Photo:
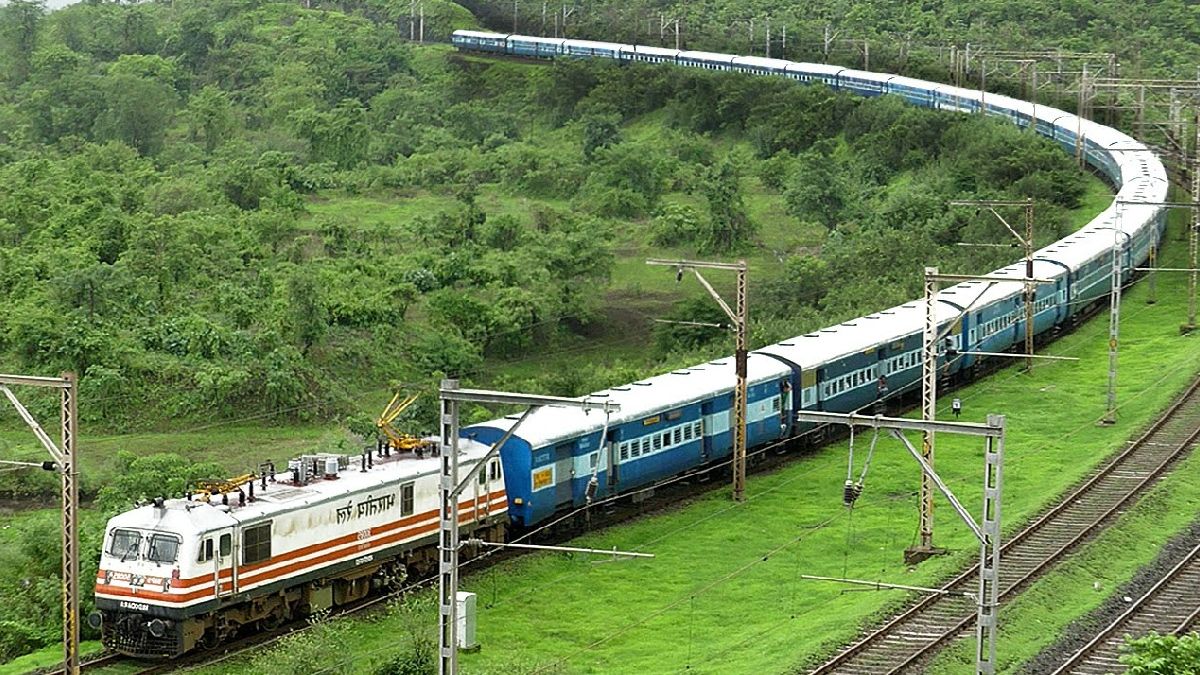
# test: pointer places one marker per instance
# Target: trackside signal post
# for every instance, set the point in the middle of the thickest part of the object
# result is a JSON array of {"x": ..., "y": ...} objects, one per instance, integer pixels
[
  {"x": 63, "y": 456},
  {"x": 451, "y": 487},
  {"x": 738, "y": 316},
  {"x": 987, "y": 530}
]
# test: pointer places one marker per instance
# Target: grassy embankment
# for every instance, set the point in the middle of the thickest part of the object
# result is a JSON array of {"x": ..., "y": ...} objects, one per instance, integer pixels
[{"x": 723, "y": 595}]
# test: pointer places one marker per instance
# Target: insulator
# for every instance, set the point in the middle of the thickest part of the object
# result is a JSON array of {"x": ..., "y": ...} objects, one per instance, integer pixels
[
  {"x": 850, "y": 492},
  {"x": 592, "y": 486}
]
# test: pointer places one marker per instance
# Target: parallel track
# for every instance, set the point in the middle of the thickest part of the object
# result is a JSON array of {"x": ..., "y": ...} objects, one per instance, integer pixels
[
  {"x": 919, "y": 631},
  {"x": 1172, "y": 605}
]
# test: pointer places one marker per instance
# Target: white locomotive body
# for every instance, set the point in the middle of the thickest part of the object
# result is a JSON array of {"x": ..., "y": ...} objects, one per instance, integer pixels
[{"x": 185, "y": 572}]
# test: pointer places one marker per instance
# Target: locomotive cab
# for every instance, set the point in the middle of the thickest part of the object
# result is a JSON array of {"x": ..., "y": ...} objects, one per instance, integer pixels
[{"x": 156, "y": 571}]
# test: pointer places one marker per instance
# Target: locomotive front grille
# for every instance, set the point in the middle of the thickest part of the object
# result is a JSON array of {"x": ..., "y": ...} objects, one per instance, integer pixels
[{"x": 134, "y": 634}]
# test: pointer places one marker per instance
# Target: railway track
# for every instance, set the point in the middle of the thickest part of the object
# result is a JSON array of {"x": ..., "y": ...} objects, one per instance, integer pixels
[
  {"x": 1172, "y": 605},
  {"x": 918, "y": 632}
]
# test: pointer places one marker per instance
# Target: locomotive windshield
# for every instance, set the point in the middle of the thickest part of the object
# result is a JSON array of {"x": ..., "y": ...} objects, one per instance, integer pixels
[
  {"x": 125, "y": 544},
  {"x": 163, "y": 548}
]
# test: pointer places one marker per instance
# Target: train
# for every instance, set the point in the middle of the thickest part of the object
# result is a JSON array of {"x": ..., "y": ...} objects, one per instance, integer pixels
[
  {"x": 178, "y": 574},
  {"x": 181, "y": 573}
]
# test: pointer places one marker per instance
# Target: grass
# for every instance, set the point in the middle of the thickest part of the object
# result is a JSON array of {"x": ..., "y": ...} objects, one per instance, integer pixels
[{"x": 724, "y": 593}]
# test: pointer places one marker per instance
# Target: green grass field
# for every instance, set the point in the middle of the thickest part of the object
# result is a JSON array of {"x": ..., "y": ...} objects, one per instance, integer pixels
[{"x": 724, "y": 593}]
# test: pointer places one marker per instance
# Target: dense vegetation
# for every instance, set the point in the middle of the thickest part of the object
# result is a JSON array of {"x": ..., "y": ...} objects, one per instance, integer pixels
[{"x": 160, "y": 175}]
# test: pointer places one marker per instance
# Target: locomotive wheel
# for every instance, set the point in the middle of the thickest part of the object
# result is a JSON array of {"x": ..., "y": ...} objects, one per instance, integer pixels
[
  {"x": 212, "y": 639},
  {"x": 272, "y": 621}
]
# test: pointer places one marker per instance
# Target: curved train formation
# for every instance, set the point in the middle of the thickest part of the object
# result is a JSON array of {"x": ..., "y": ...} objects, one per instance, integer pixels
[{"x": 185, "y": 573}]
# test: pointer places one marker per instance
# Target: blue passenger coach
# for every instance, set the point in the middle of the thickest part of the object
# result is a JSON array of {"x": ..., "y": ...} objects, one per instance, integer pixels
[
  {"x": 680, "y": 421},
  {"x": 666, "y": 425}
]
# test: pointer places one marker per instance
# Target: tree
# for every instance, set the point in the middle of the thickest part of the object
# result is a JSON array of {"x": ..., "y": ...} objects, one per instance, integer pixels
[
  {"x": 210, "y": 117},
  {"x": 600, "y": 131},
  {"x": 1157, "y": 654},
  {"x": 138, "y": 112},
  {"x": 728, "y": 224},
  {"x": 306, "y": 309},
  {"x": 20, "y": 21},
  {"x": 816, "y": 191},
  {"x": 340, "y": 135}
]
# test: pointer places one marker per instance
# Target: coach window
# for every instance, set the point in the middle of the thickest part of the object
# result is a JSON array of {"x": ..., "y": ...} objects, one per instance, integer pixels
[
  {"x": 256, "y": 543},
  {"x": 406, "y": 499},
  {"x": 624, "y": 451},
  {"x": 206, "y": 551},
  {"x": 678, "y": 435}
]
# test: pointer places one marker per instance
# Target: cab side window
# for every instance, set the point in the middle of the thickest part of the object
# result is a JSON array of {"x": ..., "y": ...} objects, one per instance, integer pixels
[{"x": 206, "y": 550}]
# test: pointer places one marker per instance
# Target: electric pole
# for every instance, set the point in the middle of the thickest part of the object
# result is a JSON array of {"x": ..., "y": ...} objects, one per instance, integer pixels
[
  {"x": 930, "y": 339},
  {"x": 63, "y": 456},
  {"x": 986, "y": 530},
  {"x": 739, "y": 318},
  {"x": 1114, "y": 318},
  {"x": 1027, "y": 243},
  {"x": 451, "y": 487}
]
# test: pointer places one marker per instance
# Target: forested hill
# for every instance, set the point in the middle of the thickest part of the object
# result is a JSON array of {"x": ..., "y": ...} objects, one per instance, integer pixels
[
  {"x": 217, "y": 210},
  {"x": 1151, "y": 38}
]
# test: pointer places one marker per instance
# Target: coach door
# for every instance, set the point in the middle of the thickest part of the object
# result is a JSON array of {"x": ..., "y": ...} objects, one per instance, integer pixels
[
  {"x": 224, "y": 562},
  {"x": 706, "y": 411},
  {"x": 564, "y": 474},
  {"x": 481, "y": 493}
]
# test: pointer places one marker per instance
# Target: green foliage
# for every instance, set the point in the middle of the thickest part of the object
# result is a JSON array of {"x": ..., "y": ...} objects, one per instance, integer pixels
[
  {"x": 138, "y": 479},
  {"x": 675, "y": 224},
  {"x": 728, "y": 225},
  {"x": 296, "y": 654},
  {"x": 137, "y": 113},
  {"x": 419, "y": 651},
  {"x": 1156, "y": 654},
  {"x": 671, "y": 337},
  {"x": 599, "y": 131}
]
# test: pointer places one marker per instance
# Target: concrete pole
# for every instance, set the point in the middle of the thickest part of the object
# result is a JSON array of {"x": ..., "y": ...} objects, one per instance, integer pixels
[
  {"x": 1114, "y": 321},
  {"x": 448, "y": 544}
]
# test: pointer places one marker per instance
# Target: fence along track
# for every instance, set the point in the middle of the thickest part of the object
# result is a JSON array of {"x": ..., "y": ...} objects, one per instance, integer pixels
[
  {"x": 1170, "y": 606},
  {"x": 931, "y": 622}
]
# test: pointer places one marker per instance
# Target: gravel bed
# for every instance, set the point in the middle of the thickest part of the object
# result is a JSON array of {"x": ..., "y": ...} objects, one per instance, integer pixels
[{"x": 1080, "y": 631}]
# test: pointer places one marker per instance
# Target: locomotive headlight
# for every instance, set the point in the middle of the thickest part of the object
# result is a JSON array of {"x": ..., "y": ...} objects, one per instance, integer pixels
[{"x": 158, "y": 627}]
